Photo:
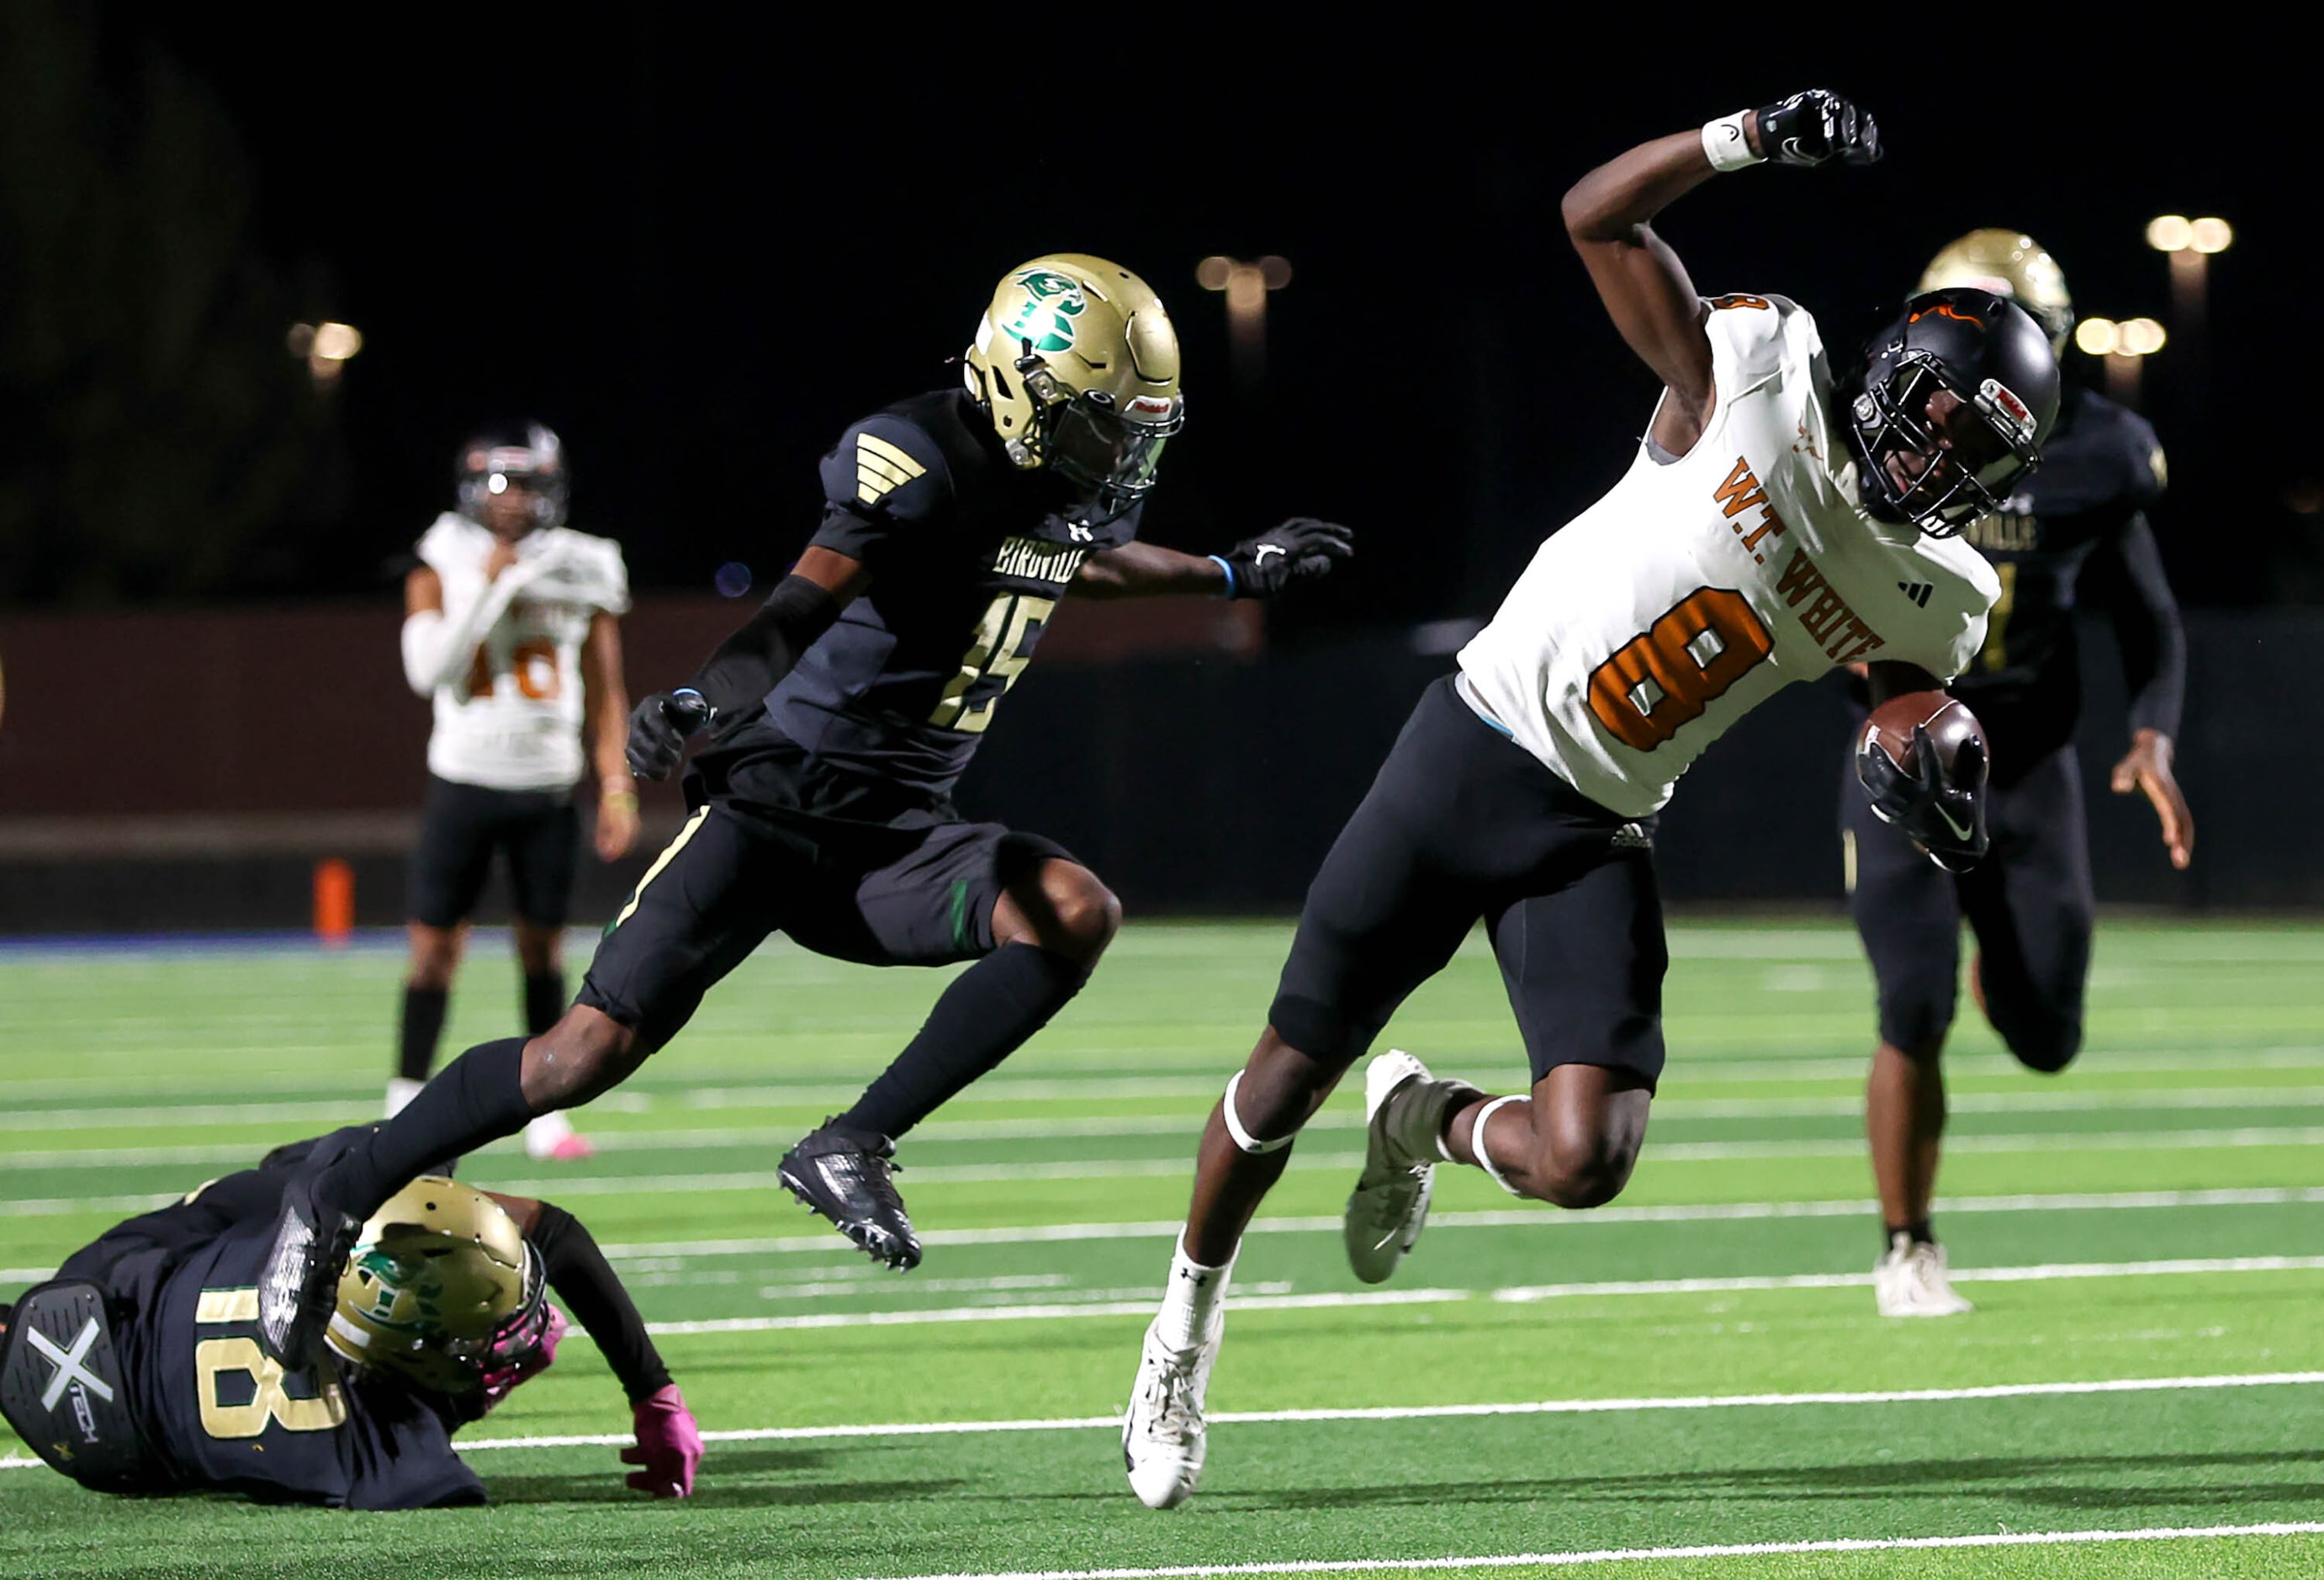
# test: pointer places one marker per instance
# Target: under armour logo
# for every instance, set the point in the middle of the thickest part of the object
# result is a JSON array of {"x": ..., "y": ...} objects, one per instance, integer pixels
[
  {"x": 1079, "y": 534},
  {"x": 1258, "y": 556},
  {"x": 67, "y": 1362}
]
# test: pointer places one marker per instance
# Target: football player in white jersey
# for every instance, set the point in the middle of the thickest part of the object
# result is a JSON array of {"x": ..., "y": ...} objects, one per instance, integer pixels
[
  {"x": 1772, "y": 524},
  {"x": 512, "y": 628}
]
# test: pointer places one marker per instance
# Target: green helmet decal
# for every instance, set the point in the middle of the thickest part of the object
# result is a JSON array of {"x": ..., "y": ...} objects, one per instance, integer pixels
[{"x": 1053, "y": 301}]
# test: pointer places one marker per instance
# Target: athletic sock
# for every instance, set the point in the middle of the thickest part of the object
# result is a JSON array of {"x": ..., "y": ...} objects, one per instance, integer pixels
[
  {"x": 478, "y": 1098},
  {"x": 544, "y": 1000},
  {"x": 1917, "y": 1231},
  {"x": 423, "y": 1028},
  {"x": 1190, "y": 1304},
  {"x": 982, "y": 1018}
]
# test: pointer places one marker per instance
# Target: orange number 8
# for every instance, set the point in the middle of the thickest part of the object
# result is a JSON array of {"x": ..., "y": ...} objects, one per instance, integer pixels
[{"x": 1664, "y": 679}]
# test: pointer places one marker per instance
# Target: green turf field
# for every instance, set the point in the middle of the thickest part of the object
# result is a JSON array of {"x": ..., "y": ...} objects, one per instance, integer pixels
[{"x": 1697, "y": 1367}]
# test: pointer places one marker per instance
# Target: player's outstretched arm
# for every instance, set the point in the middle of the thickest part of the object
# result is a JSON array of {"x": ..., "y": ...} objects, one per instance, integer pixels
[
  {"x": 2154, "y": 642},
  {"x": 748, "y": 663},
  {"x": 668, "y": 1442},
  {"x": 1300, "y": 549},
  {"x": 1609, "y": 216}
]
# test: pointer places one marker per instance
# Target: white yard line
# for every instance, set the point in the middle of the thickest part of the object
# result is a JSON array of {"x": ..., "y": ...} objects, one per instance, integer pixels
[
  {"x": 1553, "y": 1406},
  {"x": 1883, "y": 1544},
  {"x": 1100, "y": 1304},
  {"x": 1188, "y": 1125},
  {"x": 1540, "y": 1217}
]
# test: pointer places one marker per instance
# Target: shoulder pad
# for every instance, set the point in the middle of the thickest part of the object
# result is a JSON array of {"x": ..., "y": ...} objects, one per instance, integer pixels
[
  {"x": 1751, "y": 335},
  {"x": 887, "y": 465},
  {"x": 446, "y": 545}
]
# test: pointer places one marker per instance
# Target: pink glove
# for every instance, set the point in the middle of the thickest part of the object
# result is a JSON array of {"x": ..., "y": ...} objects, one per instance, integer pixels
[
  {"x": 517, "y": 1359},
  {"x": 669, "y": 1445}
]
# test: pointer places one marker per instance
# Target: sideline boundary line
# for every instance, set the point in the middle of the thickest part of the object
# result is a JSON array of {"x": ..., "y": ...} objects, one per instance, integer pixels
[{"x": 1555, "y": 1406}]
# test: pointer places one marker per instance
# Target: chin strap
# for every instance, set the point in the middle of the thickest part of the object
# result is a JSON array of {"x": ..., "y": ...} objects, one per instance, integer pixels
[{"x": 1243, "y": 1138}]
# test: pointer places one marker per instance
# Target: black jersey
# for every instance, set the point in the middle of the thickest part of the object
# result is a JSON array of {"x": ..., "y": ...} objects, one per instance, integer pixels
[
  {"x": 969, "y": 557},
  {"x": 181, "y": 1285},
  {"x": 2075, "y": 527}
]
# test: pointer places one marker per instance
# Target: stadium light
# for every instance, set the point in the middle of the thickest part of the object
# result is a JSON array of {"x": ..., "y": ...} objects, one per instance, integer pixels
[
  {"x": 2123, "y": 345},
  {"x": 1245, "y": 285},
  {"x": 326, "y": 347},
  {"x": 2189, "y": 244}
]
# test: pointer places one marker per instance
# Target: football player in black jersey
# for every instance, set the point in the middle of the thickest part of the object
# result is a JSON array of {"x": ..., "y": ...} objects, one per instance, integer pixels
[
  {"x": 839, "y": 717},
  {"x": 136, "y": 1368},
  {"x": 2075, "y": 533}
]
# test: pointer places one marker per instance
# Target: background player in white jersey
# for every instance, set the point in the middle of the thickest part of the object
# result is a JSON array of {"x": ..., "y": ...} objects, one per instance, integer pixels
[
  {"x": 1770, "y": 528},
  {"x": 512, "y": 628}
]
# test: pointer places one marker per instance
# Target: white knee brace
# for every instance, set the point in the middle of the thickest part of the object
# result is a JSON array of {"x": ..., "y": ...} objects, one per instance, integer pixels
[{"x": 1243, "y": 1138}]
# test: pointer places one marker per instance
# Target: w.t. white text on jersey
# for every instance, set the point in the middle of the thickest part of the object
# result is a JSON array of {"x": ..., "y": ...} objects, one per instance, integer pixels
[{"x": 1701, "y": 586}]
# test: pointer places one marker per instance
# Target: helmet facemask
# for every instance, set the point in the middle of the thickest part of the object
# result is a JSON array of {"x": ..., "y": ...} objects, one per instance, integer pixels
[
  {"x": 1102, "y": 447},
  {"x": 1891, "y": 418},
  {"x": 492, "y": 465}
]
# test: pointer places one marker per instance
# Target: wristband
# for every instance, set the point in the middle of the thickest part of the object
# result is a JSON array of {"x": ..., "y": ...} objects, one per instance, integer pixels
[
  {"x": 615, "y": 795},
  {"x": 1228, "y": 570},
  {"x": 1727, "y": 145}
]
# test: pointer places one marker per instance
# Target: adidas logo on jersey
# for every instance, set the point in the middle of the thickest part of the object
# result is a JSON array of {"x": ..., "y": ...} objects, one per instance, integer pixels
[
  {"x": 881, "y": 467},
  {"x": 1918, "y": 591}
]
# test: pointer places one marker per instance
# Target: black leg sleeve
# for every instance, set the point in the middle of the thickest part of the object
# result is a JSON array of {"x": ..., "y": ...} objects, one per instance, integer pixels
[
  {"x": 982, "y": 1018},
  {"x": 478, "y": 1098},
  {"x": 578, "y": 1270}
]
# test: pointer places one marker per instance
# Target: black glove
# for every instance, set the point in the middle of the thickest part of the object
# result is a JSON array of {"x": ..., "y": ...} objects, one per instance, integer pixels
[
  {"x": 659, "y": 727},
  {"x": 1299, "y": 550},
  {"x": 1816, "y": 127},
  {"x": 1942, "y": 814}
]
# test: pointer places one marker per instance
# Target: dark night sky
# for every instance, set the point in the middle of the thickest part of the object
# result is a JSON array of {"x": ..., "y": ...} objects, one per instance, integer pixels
[{"x": 701, "y": 247}]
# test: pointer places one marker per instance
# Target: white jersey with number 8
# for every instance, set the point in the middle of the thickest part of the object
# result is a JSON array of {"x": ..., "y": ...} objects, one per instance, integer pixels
[
  {"x": 1701, "y": 586},
  {"x": 510, "y": 717}
]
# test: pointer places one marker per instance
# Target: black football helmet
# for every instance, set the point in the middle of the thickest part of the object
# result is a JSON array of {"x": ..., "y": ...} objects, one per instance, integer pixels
[
  {"x": 1991, "y": 354},
  {"x": 528, "y": 453}
]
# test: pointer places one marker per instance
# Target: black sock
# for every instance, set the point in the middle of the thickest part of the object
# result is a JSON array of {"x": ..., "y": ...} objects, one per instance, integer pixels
[
  {"x": 423, "y": 1028},
  {"x": 1917, "y": 1231},
  {"x": 982, "y": 1018},
  {"x": 478, "y": 1098},
  {"x": 544, "y": 1000}
]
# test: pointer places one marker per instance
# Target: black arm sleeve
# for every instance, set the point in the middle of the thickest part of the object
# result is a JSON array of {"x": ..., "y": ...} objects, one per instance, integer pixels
[
  {"x": 748, "y": 663},
  {"x": 2147, "y": 628},
  {"x": 579, "y": 1272}
]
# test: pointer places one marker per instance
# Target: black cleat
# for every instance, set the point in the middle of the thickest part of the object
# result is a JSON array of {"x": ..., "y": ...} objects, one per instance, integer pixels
[
  {"x": 845, "y": 1175},
  {"x": 299, "y": 1286}
]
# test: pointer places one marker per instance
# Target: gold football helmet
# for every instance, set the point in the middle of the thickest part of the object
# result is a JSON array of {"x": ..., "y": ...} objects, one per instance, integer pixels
[
  {"x": 2010, "y": 263},
  {"x": 438, "y": 1273},
  {"x": 1076, "y": 365}
]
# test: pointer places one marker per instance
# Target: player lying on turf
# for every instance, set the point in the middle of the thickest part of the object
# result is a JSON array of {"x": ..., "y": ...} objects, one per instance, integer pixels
[
  {"x": 136, "y": 1370},
  {"x": 1771, "y": 526},
  {"x": 2077, "y": 532},
  {"x": 840, "y": 717}
]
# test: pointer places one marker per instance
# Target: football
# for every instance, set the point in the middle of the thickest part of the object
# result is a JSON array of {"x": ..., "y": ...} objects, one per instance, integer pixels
[{"x": 1948, "y": 721}]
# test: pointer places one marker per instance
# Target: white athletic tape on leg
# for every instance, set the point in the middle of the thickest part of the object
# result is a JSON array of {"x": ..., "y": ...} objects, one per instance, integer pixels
[
  {"x": 1243, "y": 1138},
  {"x": 1477, "y": 1143}
]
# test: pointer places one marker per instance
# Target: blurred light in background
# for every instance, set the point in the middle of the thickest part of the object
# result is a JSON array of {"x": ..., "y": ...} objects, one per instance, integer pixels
[
  {"x": 2189, "y": 244},
  {"x": 2122, "y": 345},
  {"x": 732, "y": 580},
  {"x": 326, "y": 347},
  {"x": 2305, "y": 497},
  {"x": 1245, "y": 285}
]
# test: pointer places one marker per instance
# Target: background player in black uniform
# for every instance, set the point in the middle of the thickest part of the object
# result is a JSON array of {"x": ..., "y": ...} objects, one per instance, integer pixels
[
  {"x": 840, "y": 716},
  {"x": 2074, "y": 533},
  {"x": 137, "y": 1369}
]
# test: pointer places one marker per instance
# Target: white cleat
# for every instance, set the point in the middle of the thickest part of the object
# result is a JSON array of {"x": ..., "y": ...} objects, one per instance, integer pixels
[
  {"x": 1911, "y": 1280},
  {"x": 1390, "y": 1205},
  {"x": 1162, "y": 1433},
  {"x": 400, "y": 1093},
  {"x": 551, "y": 1138}
]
